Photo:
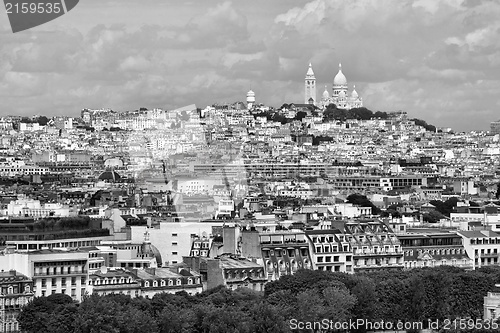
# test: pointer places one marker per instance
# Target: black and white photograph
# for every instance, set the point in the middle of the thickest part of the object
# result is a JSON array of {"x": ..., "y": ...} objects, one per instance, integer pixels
[{"x": 264, "y": 166}]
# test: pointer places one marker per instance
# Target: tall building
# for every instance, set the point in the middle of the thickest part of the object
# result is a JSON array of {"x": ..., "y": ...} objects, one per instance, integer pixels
[
  {"x": 250, "y": 99},
  {"x": 340, "y": 94},
  {"x": 310, "y": 87}
]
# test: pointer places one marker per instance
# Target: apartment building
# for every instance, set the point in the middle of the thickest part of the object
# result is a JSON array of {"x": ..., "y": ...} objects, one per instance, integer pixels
[
  {"x": 16, "y": 290},
  {"x": 52, "y": 271},
  {"x": 374, "y": 245},
  {"x": 330, "y": 250},
  {"x": 483, "y": 246},
  {"x": 434, "y": 249}
]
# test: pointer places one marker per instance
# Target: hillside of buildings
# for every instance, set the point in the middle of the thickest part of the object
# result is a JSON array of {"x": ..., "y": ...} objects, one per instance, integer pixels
[
  {"x": 147, "y": 202},
  {"x": 422, "y": 296}
]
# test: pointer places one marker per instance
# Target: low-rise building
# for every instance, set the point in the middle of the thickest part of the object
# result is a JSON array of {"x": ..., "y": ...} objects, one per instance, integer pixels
[
  {"x": 145, "y": 282},
  {"x": 492, "y": 304},
  {"x": 230, "y": 271}
]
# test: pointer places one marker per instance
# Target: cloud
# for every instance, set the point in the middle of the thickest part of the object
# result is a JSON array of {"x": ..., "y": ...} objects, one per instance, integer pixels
[{"x": 438, "y": 60}]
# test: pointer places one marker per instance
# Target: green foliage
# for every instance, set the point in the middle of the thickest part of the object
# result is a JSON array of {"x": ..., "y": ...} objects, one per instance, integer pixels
[
  {"x": 317, "y": 140},
  {"x": 362, "y": 201},
  {"x": 420, "y": 122},
  {"x": 433, "y": 216},
  {"x": 333, "y": 113},
  {"x": 446, "y": 207},
  {"x": 409, "y": 296}
]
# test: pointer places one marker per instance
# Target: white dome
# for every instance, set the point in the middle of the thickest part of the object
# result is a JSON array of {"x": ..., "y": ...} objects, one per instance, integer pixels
[
  {"x": 340, "y": 79},
  {"x": 250, "y": 93},
  {"x": 326, "y": 95},
  {"x": 354, "y": 93}
]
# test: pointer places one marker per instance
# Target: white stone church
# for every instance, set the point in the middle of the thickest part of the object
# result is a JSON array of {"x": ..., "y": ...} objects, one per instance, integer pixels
[{"x": 340, "y": 94}]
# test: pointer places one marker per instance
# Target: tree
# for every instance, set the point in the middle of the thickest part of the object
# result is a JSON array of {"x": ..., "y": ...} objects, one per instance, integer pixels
[
  {"x": 55, "y": 313},
  {"x": 362, "y": 201},
  {"x": 300, "y": 115},
  {"x": 433, "y": 216}
]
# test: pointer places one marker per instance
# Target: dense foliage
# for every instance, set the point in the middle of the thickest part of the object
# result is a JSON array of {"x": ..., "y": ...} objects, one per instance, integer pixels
[
  {"x": 362, "y": 201},
  {"x": 418, "y": 295}
]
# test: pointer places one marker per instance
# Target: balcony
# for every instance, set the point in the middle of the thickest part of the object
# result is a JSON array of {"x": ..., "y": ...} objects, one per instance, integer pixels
[
  {"x": 487, "y": 255},
  {"x": 56, "y": 274}
]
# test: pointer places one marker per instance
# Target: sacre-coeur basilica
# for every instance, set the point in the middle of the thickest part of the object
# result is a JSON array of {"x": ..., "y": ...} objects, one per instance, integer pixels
[{"x": 340, "y": 96}]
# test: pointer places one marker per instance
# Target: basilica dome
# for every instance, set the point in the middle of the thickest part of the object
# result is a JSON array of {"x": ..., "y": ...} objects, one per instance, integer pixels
[
  {"x": 354, "y": 93},
  {"x": 340, "y": 79},
  {"x": 326, "y": 95}
]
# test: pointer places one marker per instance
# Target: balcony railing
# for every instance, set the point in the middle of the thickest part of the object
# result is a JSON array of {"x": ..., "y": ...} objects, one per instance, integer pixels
[{"x": 75, "y": 272}]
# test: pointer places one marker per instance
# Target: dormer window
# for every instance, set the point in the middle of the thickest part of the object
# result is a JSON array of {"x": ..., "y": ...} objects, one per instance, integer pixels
[
  {"x": 170, "y": 282},
  {"x": 146, "y": 284},
  {"x": 163, "y": 283},
  {"x": 155, "y": 283},
  {"x": 179, "y": 282}
]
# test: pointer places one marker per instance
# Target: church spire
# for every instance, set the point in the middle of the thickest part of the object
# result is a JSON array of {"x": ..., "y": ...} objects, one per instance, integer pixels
[{"x": 310, "y": 72}]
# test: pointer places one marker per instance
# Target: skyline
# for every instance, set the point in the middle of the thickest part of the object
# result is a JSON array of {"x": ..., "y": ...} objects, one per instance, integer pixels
[{"x": 436, "y": 61}]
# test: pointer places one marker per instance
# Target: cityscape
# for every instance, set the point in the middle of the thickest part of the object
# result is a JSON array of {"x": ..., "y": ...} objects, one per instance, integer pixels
[{"x": 321, "y": 213}]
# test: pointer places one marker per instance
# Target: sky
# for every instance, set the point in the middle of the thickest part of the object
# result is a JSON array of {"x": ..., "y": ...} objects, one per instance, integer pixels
[{"x": 436, "y": 60}]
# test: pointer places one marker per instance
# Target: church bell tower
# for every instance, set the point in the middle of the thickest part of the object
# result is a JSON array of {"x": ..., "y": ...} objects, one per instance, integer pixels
[{"x": 310, "y": 87}]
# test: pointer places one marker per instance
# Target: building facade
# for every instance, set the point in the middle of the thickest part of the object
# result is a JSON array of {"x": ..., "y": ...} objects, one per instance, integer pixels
[
  {"x": 434, "y": 249},
  {"x": 16, "y": 290},
  {"x": 330, "y": 250}
]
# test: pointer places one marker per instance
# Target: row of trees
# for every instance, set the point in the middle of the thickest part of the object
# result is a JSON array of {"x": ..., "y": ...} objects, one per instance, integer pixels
[
  {"x": 418, "y": 295},
  {"x": 333, "y": 113},
  {"x": 62, "y": 223}
]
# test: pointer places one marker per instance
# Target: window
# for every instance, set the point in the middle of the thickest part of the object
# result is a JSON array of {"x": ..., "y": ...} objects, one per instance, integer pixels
[
  {"x": 174, "y": 253},
  {"x": 174, "y": 235}
]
